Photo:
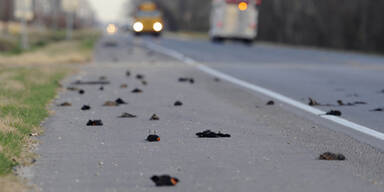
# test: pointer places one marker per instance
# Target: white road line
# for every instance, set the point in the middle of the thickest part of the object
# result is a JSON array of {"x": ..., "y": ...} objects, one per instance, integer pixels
[{"x": 267, "y": 92}]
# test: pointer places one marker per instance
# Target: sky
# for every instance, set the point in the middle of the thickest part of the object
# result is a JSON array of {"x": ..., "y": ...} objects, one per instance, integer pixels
[{"x": 108, "y": 10}]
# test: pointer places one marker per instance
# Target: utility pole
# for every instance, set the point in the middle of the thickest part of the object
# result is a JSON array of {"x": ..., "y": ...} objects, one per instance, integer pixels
[
  {"x": 69, "y": 23},
  {"x": 70, "y": 7},
  {"x": 24, "y": 13}
]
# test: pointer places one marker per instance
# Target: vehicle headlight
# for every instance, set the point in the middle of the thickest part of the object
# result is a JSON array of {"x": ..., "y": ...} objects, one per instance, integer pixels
[
  {"x": 111, "y": 29},
  {"x": 138, "y": 26},
  {"x": 157, "y": 26}
]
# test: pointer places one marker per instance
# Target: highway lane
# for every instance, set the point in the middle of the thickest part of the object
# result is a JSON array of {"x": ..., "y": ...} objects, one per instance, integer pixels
[{"x": 299, "y": 73}]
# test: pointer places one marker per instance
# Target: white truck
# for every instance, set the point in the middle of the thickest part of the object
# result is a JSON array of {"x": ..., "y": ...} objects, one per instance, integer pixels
[{"x": 234, "y": 19}]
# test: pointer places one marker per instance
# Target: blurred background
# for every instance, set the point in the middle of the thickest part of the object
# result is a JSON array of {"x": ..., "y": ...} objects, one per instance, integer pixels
[{"x": 351, "y": 25}]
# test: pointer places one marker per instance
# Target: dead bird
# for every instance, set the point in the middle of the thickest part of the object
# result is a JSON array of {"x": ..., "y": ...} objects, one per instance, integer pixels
[
  {"x": 187, "y": 79},
  {"x": 110, "y": 104},
  {"x": 341, "y": 103},
  {"x": 332, "y": 156},
  {"x": 79, "y": 82},
  {"x": 95, "y": 123},
  {"x": 123, "y": 86},
  {"x": 377, "y": 110},
  {"x": 137, "y": 90},
  {"x": 359, "y": 103},
  {"x": 65, "y": 104},
  {"x": 120, "y": 101},
  {"x": 312, "y": 102},
  {"x": 153, "y": 137},
  {"x": 85, "y": 107},
  {"x": 154, "y": 117},
  {"x": 211, "y": 134},
  {"x": 81, "y": 92},
  {"x": 127, "y": 115},
  {"x": 334, "y": 113},
  {"x": 270, "y": 103},
  {"x": 139, "y": 76},
  {"x": 128, "y": 73},
  {"x": 164, "y": 180},
  {"x": 72, "y": 88},
  {"x": 178, "y": 103}
]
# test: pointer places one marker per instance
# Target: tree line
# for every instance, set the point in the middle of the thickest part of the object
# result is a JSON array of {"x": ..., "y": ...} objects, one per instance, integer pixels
[{"x": 341, "y": 24}]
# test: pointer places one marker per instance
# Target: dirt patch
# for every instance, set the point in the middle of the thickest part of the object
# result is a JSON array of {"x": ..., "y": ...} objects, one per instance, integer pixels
[{"x": 12, "y": 184}]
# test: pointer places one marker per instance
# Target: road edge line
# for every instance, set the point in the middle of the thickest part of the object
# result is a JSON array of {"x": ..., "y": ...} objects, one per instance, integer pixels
[{"x": 267, "y": 92}]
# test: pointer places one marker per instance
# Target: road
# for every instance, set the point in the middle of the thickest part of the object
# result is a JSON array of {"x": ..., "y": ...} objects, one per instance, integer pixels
[
  {"x": 299, "y": 73},
  {"x": 271, "y": 148}
]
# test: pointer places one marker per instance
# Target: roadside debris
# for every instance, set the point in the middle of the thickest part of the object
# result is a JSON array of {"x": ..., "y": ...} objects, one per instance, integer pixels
[
  {"x": 186, "y": 79},
  {"x": 81, "y": 92},
  {"x": 123, "y": 86},
  {"x": 211, "y": 134},
  {"x": 313, "y": 102},
  {"x": 110, "y": 104},
  {"x": 270, "y": 103},
  {"x": 341, "y": 103},
  {"x": 78, "y": 82},
  {"x": 153, "y": 137},
  {"x": 102, "y": 78},
  {"x": 127, "y": 115},
  {"x": 217, "y": 79},
  {"x": 164, "y": 180},
  {"x": 110, "y": 44},
  {"x": 139, "y": 76},
  {"x": 137, "y": 90},
  {"x": 178, "y": 103},
  {"x": 377, "y": 110},
  {"x": 101, "y": 88},
  {"x": 334, "y": 113},
  {"x": 72, "y": 88},
  {"x": 95, "y": 123},
  {"x": 154, "y": 117},
  {"x": 85, "y": 107},
  {"x": 332, "y": 156},
  {"x": 144, "y": 82},
  {"x": 120, "y": 101},
  {"x": 65, "y": 104},
  {"x": 33, "y": 134},
  {"x": 128, "y": 73}
]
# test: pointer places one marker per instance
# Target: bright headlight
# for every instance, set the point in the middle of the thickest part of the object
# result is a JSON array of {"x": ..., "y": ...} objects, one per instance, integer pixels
[
  {"x": 111, "y": 29},
  {"x": 138, "y": 26},
  {"x": 157, "y": 26}
]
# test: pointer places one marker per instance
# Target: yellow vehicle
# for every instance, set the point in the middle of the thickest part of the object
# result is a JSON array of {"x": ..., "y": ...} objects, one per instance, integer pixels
[{"x": 148, "y": 19}]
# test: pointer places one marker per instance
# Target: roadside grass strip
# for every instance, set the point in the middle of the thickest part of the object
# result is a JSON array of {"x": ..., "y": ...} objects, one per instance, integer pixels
[{"x": 26, "y": 112}]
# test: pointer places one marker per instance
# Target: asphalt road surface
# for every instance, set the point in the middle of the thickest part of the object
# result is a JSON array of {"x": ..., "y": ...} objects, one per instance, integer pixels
[{"x": 271, "y": 148}]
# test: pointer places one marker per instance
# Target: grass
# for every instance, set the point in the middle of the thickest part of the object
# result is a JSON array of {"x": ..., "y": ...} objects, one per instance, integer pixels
[{"x": 28, "y": 83}]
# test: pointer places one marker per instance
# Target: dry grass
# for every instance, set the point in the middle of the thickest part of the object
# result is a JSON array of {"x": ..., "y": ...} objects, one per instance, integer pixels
[
  {"x": 6, "y": 124},
  {"x": 51, "y": 55},
  {"x": 12, "y": 184}
]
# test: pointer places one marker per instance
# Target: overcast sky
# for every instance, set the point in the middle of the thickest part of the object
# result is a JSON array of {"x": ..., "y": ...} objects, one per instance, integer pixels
[{"x": 108, "y": 10}]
